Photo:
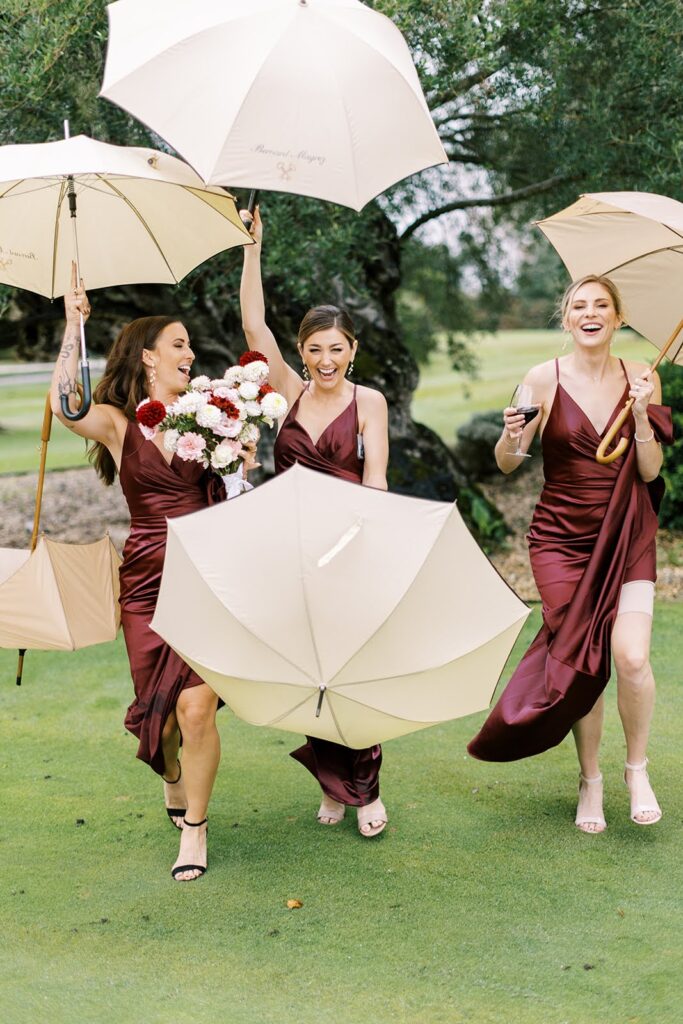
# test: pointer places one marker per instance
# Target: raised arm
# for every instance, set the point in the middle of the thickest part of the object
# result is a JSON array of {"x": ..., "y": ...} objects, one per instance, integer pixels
[
  {"x": 98, "y": 424},
  {"x": 374, "y": 425},
  {"x": 646, "y": 388},
  {"x": 257, "y": 332}
]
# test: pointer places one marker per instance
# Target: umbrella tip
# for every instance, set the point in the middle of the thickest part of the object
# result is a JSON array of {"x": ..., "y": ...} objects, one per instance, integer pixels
[{"x": 67, "y": 133}]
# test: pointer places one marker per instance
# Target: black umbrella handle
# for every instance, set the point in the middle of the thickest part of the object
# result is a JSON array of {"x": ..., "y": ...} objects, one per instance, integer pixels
[
  {"x": 86, "y": 397},
  {"x": 251, "y": 206}
]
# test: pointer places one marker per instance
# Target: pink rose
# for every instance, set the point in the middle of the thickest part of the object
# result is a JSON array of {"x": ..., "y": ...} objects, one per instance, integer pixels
[
  {"x": 191, "y": 447},
  {"x": 228, "y": 428}
]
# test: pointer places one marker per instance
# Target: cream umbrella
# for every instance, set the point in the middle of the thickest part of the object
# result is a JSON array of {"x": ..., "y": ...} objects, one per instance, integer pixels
[
  {"x": 57, "y": 596},
  {"x": 636, "y": 239},
  {"x": 320, "y": 606},
  {"x": 315, "y": 97},
  {"x": 143, "y": 217}
]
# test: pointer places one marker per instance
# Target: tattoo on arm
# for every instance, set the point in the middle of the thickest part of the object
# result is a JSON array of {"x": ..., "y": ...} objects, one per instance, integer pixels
[{"x": 66, "y": 381}]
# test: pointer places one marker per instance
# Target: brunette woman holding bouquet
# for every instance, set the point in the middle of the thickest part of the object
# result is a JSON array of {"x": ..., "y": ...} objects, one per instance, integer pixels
[
  {"x": 592, "y": 549},
  {"x": 151, "y": 359},
  {"x": 333, "y": 426}
]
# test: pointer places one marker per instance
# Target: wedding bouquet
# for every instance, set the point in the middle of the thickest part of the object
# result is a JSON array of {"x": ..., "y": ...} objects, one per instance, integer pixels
[{"x": 216, "y": 422}]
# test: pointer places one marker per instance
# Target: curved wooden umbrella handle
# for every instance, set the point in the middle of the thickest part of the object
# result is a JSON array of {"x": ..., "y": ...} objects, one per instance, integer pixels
[{"x": 601, "y": 455}]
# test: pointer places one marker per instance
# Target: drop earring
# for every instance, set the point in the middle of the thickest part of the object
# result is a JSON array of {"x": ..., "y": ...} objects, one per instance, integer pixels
[
  {"x": 151, "y": 379},
  {"x": 349, "y": 372},
  {"x": 305, "y": 372}
]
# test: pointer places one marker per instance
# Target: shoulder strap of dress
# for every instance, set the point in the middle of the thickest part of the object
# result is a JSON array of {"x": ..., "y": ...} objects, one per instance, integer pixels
[
  {"x": 557, "y": 369},
  {"x": 354, "y": 392},
  {"x": 624, "y": 369}
]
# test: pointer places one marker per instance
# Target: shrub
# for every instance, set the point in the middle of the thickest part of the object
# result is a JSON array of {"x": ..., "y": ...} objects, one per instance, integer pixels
[{"x": 671, "y": 513}]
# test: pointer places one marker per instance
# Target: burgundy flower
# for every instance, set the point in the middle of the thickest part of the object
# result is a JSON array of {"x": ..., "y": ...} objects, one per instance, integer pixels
[
  {"x": 252, "y": 357},
  {"x": 151, "y": 414},
  {"x": 226, "y": 406},
  {"x": 264, "y": 390}
]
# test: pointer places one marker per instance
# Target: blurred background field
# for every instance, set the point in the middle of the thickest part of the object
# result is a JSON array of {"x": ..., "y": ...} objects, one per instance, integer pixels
[{"x": 443, "y": 401}]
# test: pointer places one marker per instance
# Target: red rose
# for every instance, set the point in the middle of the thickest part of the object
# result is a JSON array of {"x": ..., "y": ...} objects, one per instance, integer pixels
[
  {"x": 252, "y": 357},
  {"x": 226, "y": 406},
  {"x": 151, "y": 414},
  {"x": 264, "y": 390}
]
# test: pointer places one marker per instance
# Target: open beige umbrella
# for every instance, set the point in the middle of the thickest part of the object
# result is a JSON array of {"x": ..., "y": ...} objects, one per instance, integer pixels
[
  {"x": 315, "y": 97},
  {"x": 320, "y": 606},
  {"x": 636, "y": 239},
  {"x": 57, "y": 597},
  {"x": 143, "y": 217}
]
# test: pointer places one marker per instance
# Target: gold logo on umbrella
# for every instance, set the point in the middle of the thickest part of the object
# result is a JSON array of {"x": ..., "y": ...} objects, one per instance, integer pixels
[{"x": 4, "y": 264}]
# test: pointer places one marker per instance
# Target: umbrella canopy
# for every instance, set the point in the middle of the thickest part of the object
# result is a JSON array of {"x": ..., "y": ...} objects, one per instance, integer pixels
[
  {"x": 636, "y": 239},
  {"x": 59, "y": 597},
  {"x": 315, "y": 97},
  {"x": 324, "y": 607},
  {"x": 143, "y": 216}
]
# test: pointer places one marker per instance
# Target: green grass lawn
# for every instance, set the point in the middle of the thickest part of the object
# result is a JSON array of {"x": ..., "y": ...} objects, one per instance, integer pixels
[
  {"x": 21, "y": 419},
  {"x": 481, "y": 903},
  {"x": 444, "y": 400}
]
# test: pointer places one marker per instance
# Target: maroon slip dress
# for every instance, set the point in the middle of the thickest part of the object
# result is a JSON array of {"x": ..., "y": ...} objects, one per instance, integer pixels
[
  {"x": 593, "y": 530},
  {"x": 348, "y": 776},
  {"x": 155, "y": 491}
]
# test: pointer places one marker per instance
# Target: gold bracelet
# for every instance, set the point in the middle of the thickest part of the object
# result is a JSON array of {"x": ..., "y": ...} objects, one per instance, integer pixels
[{"x": 644, "y": 440}]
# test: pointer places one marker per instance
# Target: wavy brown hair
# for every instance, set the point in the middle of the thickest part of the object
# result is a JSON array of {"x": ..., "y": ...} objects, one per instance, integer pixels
[
  {"x": 124, "y": 384},
  {"x": 321, "y": 318}
]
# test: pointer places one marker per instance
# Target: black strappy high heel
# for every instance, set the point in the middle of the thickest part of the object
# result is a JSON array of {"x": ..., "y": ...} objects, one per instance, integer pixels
[
  {"x": 190, "y": 867},
  {"x": 175, "y": 812}
]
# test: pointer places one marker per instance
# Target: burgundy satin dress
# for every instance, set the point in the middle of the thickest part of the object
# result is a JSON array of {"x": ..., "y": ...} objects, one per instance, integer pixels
[
  {"x": 593, "y": 530},
  {"x": 155, "y": 491},
  {"x": 349, "y": 776}
]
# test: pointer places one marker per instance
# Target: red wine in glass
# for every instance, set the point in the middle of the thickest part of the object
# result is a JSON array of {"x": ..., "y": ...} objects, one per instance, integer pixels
[
  {"x": 523, "y": 402},
  {"x": 529, "y": 412}
]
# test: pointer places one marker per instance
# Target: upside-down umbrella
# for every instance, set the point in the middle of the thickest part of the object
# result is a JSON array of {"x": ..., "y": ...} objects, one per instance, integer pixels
[
  {"x": 54, "y": 596},
  {"x": 636, "y": 239},
  {"x": 351, "y": 614},
  {"x": 143, "y": 217},
  {"x": 315, "y": 97}
]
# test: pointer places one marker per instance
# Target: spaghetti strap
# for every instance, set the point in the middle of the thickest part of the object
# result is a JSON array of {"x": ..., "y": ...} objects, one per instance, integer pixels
[
  {"x": 624, "y": 369},
  {"x": 354, "y": 392},
  {"x": 557, "y": 369}
]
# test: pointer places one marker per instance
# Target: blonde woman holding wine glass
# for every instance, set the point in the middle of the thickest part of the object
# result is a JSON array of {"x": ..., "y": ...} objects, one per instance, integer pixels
[{"x": 592, "y": 551}]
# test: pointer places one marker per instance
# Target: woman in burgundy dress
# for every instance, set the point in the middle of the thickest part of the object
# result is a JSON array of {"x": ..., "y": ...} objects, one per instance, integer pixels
[
  {"x": 329, "y": 419},
  {"x": 151, "y": 358},
  {"x": 592, "y": 551}
]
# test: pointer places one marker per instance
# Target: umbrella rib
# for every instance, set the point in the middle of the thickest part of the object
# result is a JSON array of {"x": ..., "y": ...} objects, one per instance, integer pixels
[
  {"x": 338, "y": 687},
  {"x": 142, "y": 220},
  {"x": 643, "y": 256},
  {"x": 405, "y": 591},
  {"x": 55, "y": 238}
]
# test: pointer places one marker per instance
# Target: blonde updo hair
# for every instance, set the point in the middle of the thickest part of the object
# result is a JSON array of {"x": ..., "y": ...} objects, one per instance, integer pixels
[{"x": 606, "y": 283}]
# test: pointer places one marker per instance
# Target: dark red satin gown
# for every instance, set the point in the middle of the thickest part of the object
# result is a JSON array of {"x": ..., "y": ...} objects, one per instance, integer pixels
[
  {"x": 593, "y": 530},
  {"x": 349, "y": 776},
  {"x": 155, "y": 491}
]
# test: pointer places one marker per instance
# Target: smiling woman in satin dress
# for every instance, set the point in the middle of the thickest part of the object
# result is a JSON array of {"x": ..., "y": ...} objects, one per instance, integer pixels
[
  {"x": 151, "y": 358},
  {"x": 328, "y": 418},
  {"x": 592, "y": 551}
]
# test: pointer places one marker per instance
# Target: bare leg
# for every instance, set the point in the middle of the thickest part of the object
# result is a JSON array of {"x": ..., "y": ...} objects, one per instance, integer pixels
[
  {"x": 635, "y": 700},
  {"x": 196, "y": 711},
  {"x": 174, "y": 790},
  {"x": 587, "y": 735}
]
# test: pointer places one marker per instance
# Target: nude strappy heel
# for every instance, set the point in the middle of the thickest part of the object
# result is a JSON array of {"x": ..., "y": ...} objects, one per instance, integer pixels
[
  {"x": 589, "y": 819},
  {"x": 335, "y": 814},
  {"x": 636, "y": 809},
  {"x": 375, "y": 811}
]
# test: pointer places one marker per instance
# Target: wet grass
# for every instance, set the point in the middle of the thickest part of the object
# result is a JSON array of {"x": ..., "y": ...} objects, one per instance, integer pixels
[{"x": 481, "y": 904}]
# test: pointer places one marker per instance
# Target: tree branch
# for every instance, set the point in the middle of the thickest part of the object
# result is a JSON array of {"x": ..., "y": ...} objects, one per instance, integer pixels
[
  {"x": 506, "y": 199},
  {"x": 462, "y": 85}
]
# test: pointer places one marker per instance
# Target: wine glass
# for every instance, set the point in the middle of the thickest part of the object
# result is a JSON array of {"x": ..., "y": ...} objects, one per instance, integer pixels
[{"x": 523, "y": 402}]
